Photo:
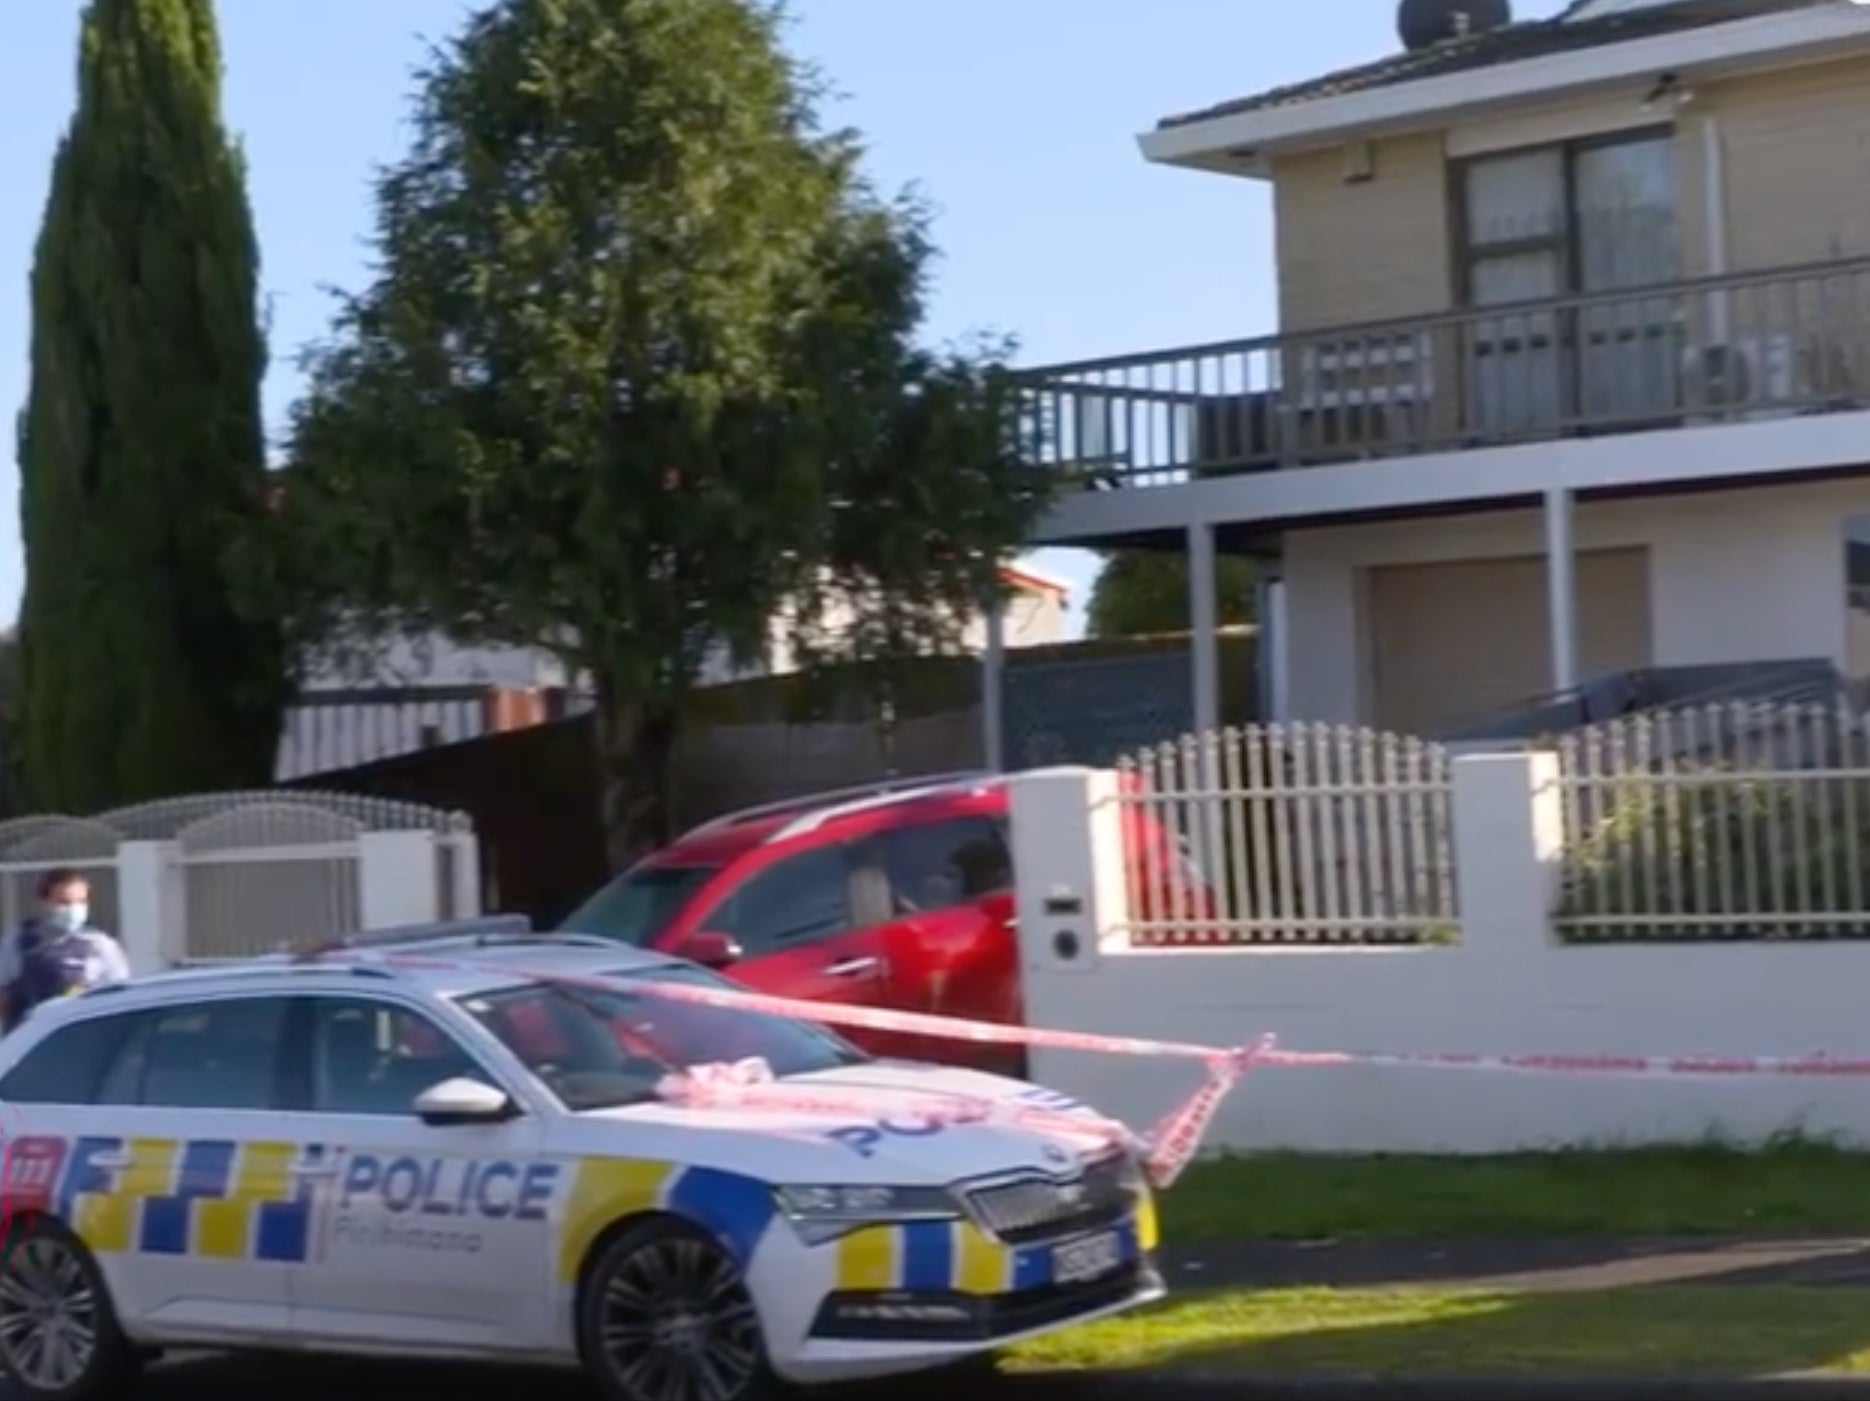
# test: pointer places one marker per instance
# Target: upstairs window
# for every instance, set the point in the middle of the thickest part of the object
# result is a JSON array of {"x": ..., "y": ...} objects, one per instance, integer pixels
[{"x": 1568, "y": 220}]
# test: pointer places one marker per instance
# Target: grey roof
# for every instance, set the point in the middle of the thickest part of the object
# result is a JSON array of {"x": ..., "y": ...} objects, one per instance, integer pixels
[{"x": 1511, "y": 43}]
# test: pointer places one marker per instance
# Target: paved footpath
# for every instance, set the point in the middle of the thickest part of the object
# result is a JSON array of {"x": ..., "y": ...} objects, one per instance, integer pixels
[{"x": 1517, "y": 1265}]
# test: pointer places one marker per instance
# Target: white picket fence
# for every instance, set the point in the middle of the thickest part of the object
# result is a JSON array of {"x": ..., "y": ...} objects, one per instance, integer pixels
[
  {"x": 1736, "y": 821},
  {"x": 1733, "y": 821},
  {"x": 230, "y": 875},
  {"x": 1304, "y": 833}
]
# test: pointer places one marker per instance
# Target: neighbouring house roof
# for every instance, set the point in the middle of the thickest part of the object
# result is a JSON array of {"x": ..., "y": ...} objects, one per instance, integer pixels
[
  {"x": 1024, "y": 576},
  {"x": 1574, "y": 29}
]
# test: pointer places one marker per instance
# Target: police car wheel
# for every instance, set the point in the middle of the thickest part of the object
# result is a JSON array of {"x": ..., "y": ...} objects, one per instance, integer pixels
[
  {"x": 59, "y": 1339},
  {"x": 665, "y": 1316}
]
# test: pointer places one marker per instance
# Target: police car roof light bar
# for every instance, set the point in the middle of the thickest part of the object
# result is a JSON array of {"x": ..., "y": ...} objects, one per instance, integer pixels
[
  {"x": 462, "y": 940},
  {"x": 568, "y": 938},
  {"x": 509, "y": 926},
  {"x": 210, "y": 969}
]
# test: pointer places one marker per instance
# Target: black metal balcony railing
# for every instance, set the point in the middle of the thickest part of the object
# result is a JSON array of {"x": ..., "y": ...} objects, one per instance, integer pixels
[{"x": 1711, "y": 350}]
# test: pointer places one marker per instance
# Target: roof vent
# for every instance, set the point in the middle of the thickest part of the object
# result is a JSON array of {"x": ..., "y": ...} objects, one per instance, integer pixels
[{"x": 1421, "y": 24}]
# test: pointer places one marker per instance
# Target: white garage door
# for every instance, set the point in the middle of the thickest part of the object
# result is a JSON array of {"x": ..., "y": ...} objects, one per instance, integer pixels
[{"x": 1449, "y": 642}]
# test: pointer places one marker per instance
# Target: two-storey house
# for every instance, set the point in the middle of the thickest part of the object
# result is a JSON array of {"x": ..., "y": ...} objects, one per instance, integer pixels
[{"x": 1573, "y": 367}]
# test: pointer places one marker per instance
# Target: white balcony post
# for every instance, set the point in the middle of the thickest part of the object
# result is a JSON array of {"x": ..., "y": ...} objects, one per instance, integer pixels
[
  {"x": 1204, "y": 628},
  {"x": 992, "y": 684},
  {"x": 1275, "y": 675},
  {"x": 398, "y": 879},
  {"x": 1205, "y": 647},
  {"x": 1561, "y": 587}
]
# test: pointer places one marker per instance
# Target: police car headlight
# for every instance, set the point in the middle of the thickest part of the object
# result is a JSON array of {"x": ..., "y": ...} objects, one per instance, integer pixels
[{"x": 823, "y": 1213}]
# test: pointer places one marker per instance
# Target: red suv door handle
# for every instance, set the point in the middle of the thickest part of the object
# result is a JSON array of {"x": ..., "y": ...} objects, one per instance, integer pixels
[{"x": 851, "y": 968}]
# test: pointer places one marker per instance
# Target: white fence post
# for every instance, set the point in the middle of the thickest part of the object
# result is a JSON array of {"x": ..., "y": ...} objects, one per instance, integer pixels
[
  {"x": 396, "y": 878},
  {"x": 152, "y": 903},
  {"x": 1508, "y": 838},
  {"x": 1072, "y": 875}
]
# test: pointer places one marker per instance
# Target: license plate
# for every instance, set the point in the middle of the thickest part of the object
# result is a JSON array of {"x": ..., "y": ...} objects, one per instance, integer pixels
[{"x": 1090, "y": 1258}]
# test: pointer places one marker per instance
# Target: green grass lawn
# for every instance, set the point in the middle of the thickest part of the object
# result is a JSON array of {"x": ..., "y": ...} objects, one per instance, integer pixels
[
  {"x": 1683, "y": 1331},
  {"x": 1791, "y": 1188}
]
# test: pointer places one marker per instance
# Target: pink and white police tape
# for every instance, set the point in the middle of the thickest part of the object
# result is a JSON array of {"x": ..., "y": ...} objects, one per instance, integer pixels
[
  {"x": 1169, "y": 1146},
  {"x": 1165, "y": 1151},
  {"x": 1639, "y": 1067},
  {"x": 833, "y": 1013}
]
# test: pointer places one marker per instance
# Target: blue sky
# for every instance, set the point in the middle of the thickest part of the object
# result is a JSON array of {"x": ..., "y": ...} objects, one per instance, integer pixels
[{"x": 1016, "y": 117}]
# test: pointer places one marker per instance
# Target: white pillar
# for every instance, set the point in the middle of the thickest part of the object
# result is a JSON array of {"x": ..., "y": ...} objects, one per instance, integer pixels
[
  {"x": 1204, "y": 628},
  {"x": 398, "y": 879},
  {"x": 152, "y": 915},
  {"x": 1508, "y": 841},
  {"x": 1561, "y": 588},
  {"x": 1073, "y": 897},
  {"x": 464, "y": 896}
]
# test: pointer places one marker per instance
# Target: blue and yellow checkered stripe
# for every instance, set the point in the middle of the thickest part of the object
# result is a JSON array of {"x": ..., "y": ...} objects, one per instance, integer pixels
[
  {"x": 739, "y": 1210},
  {"x": 212, "y": 1198},
  {"x": 957, "y": 1255}
]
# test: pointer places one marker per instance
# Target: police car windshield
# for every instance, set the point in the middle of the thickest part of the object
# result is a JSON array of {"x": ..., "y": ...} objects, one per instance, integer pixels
[{"x": 600, "y": 1047}]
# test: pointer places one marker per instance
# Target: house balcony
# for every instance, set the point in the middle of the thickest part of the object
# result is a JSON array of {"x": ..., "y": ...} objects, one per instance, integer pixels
[{"x": 1739, "y": 348}]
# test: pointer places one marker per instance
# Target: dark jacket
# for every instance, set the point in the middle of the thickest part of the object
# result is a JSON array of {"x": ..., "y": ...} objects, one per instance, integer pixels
[{"x": 43, "y": 974}]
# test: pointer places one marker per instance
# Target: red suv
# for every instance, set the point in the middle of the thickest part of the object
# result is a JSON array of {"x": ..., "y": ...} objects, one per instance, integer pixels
[{"x": 897, "y": 895}]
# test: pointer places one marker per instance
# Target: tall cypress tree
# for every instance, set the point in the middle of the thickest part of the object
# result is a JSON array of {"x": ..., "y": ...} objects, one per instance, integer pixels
[{"x": 148, "y": 665}]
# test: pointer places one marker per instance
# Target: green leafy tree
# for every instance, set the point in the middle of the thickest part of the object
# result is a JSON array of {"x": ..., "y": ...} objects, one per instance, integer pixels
[
  {"x": 1141, "y": 592},
  {"x": 640, "y": 374},
  {"x": 145, "y": 669}
]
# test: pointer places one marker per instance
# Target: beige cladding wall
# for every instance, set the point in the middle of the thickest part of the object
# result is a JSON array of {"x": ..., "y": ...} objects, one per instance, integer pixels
[
  {"x": 1797, "y": 164},
  {"x": 1365, "y": 250},
  {"x": 1797, "y": 170}
]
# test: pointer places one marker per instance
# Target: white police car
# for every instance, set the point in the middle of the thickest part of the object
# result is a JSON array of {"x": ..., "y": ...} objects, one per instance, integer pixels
[{"x": 464, "y": 1161}]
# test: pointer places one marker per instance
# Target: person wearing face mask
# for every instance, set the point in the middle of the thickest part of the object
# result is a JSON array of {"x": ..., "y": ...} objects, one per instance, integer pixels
[{"x": 57, "y": 952}]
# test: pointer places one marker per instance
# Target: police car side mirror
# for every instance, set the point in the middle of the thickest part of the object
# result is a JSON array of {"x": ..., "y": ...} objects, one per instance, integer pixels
[
  {"x": 463, "y": 1101},
  {"x": 711, "y": 949}
]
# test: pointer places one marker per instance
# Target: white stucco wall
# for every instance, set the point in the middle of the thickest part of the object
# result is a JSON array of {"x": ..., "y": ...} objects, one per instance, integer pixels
[
  {"x": 1507, "y": 988},
  {"x": 1753, "y": 575},
  {"x": 1034, "y": 617}
]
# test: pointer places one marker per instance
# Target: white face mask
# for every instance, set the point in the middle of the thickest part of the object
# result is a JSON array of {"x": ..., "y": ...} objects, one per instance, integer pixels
[{"x": 69, "y": 918}]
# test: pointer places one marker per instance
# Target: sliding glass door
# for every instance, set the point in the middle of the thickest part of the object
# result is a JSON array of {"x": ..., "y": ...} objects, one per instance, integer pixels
[
  {"x": 1558, "y": 221},
  {"x": 1629, "y": 348}
]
